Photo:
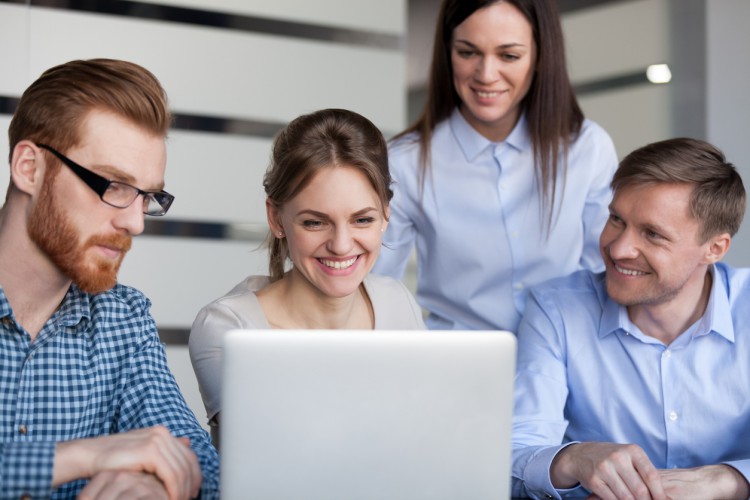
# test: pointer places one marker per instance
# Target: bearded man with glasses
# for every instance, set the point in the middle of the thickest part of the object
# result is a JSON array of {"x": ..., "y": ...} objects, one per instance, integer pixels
[{"x": 87, "y": 403}]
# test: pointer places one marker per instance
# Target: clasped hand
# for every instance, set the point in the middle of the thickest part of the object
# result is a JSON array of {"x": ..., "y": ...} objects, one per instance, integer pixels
[
  {"x": 131, "y": 457},
  {"x": 623, "y": 471}
]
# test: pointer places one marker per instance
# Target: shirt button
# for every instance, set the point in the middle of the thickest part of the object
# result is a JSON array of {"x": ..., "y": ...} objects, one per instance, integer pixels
[
  {"x": 672, "y": 416},
  {"x": 25, "y": 496},
  {"x": 7, "y": 320},
  {"x": 668, "y": 353},
  {"x": 518, "y": 286},
  {"x": 22, "y": 429}
]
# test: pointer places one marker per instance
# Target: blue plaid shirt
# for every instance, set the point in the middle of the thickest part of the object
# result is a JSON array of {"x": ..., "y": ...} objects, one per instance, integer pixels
[{"x": 96, "y": 368}]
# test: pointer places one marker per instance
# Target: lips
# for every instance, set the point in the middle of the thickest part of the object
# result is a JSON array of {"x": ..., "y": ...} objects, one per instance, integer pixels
[{"x": 111, "y": 252}]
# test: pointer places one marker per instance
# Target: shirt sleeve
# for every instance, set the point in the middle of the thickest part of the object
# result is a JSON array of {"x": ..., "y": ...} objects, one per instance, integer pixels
[
  {"x": 540, "y": 394},
  {"x": 742, "y": 466},
  {"x": 206, "y": 336},
  {"x": 399, "y": 237},
  {"x": 603, "y": 159},
  {"x": 26, "y": 469},
  {"x": 152, "y": 397}
]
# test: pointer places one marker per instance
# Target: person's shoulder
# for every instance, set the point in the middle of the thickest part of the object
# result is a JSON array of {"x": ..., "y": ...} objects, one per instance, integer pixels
[
  {"x": 241, "y": 291},
  {"x": 384, "y": 284},
  {"x": 121, "y": 297},
  {"x": 122, "y": 308},
  {"x": 593, "y": 147},
  {"x": 736, "y": 281},
  {"x": 592, "y": 133},
  {"x": 409, "y": 144},
  {"x": 393, "y": 303},
  {"x": 404, "y": 149},
  {"x": 580, "y": 285}
]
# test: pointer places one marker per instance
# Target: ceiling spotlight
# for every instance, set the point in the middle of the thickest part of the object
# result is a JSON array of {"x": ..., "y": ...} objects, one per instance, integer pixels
[{"x": 658, "y": 73}]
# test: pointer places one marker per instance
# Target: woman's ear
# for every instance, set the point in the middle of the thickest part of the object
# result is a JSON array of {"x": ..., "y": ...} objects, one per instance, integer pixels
[
  {"x": 387, "y": 212},
  {"x": 273, "y": 215}
]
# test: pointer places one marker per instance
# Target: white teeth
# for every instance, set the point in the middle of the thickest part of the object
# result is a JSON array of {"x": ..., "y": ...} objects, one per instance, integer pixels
[
  {"x": 338, "y": 264},
  {"x": 629, "y": 272},
  {"x": 486, "y": 95}
]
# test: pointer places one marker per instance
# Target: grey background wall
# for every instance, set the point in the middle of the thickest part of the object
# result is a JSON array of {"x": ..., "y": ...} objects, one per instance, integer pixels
[{"x": 237, "y": 70}]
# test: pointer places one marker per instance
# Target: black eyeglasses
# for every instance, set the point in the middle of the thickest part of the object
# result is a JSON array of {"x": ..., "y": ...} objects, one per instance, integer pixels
[{"x": 115, "y": 193}]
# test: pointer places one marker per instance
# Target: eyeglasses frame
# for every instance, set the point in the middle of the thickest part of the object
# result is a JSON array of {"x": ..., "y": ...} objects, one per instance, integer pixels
[{"x": 100, "y": 184}]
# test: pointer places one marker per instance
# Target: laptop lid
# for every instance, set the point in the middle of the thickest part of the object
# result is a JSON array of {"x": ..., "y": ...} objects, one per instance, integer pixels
[{"x": 339, "y": 414}]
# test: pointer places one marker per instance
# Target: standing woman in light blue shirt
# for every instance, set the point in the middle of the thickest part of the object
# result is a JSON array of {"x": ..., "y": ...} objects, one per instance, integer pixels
[{"x": 501, "y": 183}]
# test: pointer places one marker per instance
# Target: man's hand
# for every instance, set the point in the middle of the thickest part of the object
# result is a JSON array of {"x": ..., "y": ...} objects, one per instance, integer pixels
[
  {"x": 154, "y": 451},
  {"x": 609, "y": 471},
  {"x": 123, "y": 485},
  {"x": 720, "y": 482}
]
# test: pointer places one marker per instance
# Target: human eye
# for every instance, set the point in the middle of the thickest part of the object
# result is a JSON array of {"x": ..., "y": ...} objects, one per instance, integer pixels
[
  {"x": 364, "y": 221},
  {"x": 509, "y": 57},
  {"x": 312, "y": 224},
  {"x": 614, "y": 219},
  {"x": 653, "y": 235},
  {"x": 465, "y": 52},
  {"x": 119, "y": 193}
]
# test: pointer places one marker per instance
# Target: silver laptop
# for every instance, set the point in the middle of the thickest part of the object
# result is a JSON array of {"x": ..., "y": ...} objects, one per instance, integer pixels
[{"x": 353, "y": 414}]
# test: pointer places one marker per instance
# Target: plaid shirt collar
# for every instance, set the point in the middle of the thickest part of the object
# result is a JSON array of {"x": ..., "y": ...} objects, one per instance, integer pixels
[{"x": 74, "y": 308}]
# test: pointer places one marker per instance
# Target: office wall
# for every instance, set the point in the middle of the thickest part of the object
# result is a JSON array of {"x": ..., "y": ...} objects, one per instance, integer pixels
[
  {"x": 612, "y": 45},
  {"x": 235, "y": 72},
  {"x": 701, "y": 41},
  {"x": 727, "y": 97}
]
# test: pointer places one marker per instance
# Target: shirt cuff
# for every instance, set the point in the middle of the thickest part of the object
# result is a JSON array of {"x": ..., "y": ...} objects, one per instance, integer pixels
[
  {"x": 742, "y": 466},
  {"x": 538, "y": 471},
  {"x": 27, "y": 469}
]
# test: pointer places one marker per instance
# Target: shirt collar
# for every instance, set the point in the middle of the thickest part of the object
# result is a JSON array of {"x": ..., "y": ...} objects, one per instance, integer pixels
[
  {"x": 74, "y": 307},
  {"x": 5, "y": 309},
  {"x": 718, "y": 312},
  {"x": 472, "y": 143},
  {"x": 718, "y": 315}
]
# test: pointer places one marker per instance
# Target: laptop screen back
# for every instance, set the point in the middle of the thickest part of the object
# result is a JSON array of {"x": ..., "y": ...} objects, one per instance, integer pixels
[{"x": 320, "y": 414}]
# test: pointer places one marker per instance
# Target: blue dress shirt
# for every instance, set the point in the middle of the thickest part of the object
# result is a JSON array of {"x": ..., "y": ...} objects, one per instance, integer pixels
[
  {"x": 480, "y": 232},
  {"x": 586, "y": 373},
  {"x": 97, "y": 367}
]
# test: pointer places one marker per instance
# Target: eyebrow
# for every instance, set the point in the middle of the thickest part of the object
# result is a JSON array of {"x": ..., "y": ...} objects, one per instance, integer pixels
[
  {"x": 315, "y": 213},
  {"x": 115, "y": 174},
  {"x": 502, "y": 46}
]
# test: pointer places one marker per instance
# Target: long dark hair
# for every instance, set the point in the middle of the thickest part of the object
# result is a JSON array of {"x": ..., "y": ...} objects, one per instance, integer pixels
[{"x": 552, "y": 113}]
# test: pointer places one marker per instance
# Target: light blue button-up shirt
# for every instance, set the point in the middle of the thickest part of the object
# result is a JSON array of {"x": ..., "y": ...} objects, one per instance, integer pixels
[
  {"x": 480, "y": 234},
  {"x": 586, "y": 373}
]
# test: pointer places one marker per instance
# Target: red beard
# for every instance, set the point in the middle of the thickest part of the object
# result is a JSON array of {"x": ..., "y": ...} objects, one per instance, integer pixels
[{"x": 52, "y": 231}]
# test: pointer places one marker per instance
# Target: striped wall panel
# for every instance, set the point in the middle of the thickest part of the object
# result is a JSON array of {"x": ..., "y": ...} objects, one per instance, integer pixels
[{"x": 236, "y": 72}]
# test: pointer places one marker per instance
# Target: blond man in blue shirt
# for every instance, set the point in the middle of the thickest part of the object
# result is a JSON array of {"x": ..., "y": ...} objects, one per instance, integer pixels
[{"x": 635, "y": 382}]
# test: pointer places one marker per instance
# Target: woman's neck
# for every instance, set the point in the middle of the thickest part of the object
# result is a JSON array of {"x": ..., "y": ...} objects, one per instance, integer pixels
[{"x": 293, "y": 303}]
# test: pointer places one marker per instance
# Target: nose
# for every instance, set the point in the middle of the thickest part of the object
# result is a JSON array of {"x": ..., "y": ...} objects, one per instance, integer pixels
[
  {"x": 131, "y": 218},
  {"x": 341, "y": 241},
  {"x": 623, "y": 245},
  {"x": 486, "y": 70}
]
